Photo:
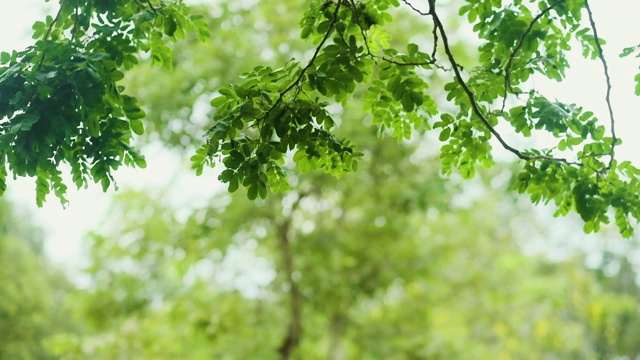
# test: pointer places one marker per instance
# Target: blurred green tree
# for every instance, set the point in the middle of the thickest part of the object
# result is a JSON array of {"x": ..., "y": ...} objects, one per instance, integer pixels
[
  {"x": 331, "y": 271},
  {"x": 33, "y": 293}
]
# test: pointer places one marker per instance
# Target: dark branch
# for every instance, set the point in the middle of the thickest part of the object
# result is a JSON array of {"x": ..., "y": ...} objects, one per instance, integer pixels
[
  {"x": 435, "y": 44},
  {"x": 614, "y": 139}
]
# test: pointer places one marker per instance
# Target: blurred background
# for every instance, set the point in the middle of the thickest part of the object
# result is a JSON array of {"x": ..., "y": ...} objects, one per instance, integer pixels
[{"x": 392, "y": 262}]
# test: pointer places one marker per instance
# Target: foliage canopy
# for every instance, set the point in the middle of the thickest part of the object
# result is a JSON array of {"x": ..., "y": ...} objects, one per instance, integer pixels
[
  {"x": 32, "y": 291},
  {"x": 62, "y": 102}
]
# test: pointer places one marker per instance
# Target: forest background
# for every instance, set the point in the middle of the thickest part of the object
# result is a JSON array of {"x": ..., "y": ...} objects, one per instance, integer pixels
[{"x": 394, "y": 261}]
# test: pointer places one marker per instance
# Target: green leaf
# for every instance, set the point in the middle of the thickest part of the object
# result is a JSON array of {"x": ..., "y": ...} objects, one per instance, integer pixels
[
  {"x": 170, "y": 26},
  {"x": 217, "y": 101},
  {"x": 137, "y": 126},
  {"x": 262, "y": 190},
  {"x": 233, "y": 184},
  {"x": 252, "y": 192},
  {"x": 105, "y": 182},
  {"x": 306, "y": 31},
  {"x": 407, "y": 102},
  {"x": 412, "y": 49},
  {"x": 141, "y": 162},
  {"x": 444, "y": 134},
  {"x": 227, "y": 92},
  {"x": 39, "y": 29},
  {"x": 5, "y": 57},
  {"x": 93, "y": 126}
]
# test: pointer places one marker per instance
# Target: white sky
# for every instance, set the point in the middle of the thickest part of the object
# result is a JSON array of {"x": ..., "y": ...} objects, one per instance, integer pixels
[{"x": 617, "y": 23}]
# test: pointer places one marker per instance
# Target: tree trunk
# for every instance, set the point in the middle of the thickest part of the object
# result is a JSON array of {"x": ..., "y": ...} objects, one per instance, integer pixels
[{"x": 294, "y": 330}]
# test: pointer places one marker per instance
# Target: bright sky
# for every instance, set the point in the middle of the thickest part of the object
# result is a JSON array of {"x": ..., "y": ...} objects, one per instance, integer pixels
[{"x": 585, "y": 85}]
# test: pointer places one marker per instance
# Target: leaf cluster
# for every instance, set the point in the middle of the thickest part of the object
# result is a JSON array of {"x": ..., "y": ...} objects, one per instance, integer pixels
[{"x": 61, "y": 101}]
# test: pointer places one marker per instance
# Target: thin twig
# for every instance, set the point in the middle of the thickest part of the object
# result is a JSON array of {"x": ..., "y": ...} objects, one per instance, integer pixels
[
  {"x": 354, "y": 8},
  {"x": 431, "y": 62},
  {"x": 507, "y": 69},
  {"x": 435, "y": 44},
  {"x": 415, "y": 9},
  {"x": 614, "y": 139},
  {"x": 48, "y": 32},
  {"x": 423, "y": 64},
  {"x": 411, "y": 63},
  {"x": 74, "y": 30},
  {"x": 313, "y": 58},
  {"x": 155, "y": 11}
]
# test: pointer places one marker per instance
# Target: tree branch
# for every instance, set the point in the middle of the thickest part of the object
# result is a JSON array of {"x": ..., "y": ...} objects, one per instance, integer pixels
[
  {"x": 474, "y": 105},
  {"x": 337, "y": 328},
  {"x": 614, "y": 139}
]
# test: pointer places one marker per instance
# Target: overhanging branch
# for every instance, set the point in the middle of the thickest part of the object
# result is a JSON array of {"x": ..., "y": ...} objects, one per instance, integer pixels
[{"x": 470, "y": 95}]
